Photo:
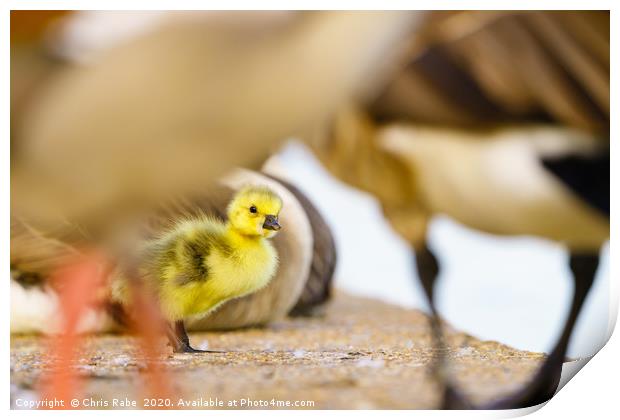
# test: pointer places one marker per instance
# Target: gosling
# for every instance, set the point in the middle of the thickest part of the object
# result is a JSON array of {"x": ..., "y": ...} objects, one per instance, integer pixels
[{"x": 202, "y": 262}]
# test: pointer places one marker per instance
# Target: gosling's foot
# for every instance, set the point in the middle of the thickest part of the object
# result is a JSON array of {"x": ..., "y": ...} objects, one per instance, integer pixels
[
  {"x": 186, "y": 348},
  {"x": 179, "y": 341}
]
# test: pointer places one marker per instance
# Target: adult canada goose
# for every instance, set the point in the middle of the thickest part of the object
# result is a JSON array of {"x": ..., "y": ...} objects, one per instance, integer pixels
[
  {"x": 467, "y": 71},
  {"x": 543, "y": 181},
  {"x": 303, "y": 279},
  {"x": 546, "y": 181}
]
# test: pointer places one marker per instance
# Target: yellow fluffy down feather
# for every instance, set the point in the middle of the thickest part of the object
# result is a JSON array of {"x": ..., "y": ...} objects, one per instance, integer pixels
[{"x": 203, "y": 262}]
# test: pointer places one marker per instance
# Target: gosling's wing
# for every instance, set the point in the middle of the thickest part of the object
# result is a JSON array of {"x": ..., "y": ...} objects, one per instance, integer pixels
[
  {"x": 171, "y": 245},
  {"x": 191, "y": 257},
  {"x": 181, "y": 256}
]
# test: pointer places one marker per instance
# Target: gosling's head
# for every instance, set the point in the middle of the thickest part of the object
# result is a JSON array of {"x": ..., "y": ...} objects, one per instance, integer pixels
[{"x": 254, "y": 211}]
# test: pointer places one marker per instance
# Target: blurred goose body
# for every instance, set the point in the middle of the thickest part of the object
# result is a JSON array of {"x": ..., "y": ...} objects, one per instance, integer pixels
[
  {"x": 501, "y": 182},
  {"x": 546, "y": 181},
  {"x": 543, "y": 181},
  {"x": 305, "y": 248}
]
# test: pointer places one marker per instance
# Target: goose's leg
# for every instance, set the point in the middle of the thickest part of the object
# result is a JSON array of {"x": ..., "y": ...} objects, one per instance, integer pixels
[
  {"x": 428, "y": 271},
  {"x": 177, "y": 336},
  {"x": 544, "y": 384}
]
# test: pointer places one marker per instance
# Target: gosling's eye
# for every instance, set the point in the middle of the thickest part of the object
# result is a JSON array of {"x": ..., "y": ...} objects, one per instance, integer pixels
[{"x": 253, "y": 209}]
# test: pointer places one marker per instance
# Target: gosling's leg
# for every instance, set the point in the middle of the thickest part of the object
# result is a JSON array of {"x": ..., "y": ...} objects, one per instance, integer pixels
[
  {"x": 177, "y": 336},
  {"x": 543, "y": 386},
  {"x": 428, "y": 270}
]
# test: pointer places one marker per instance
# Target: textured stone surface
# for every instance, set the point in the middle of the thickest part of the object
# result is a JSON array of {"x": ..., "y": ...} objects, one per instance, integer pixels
[{"x": 362, "y": 354}]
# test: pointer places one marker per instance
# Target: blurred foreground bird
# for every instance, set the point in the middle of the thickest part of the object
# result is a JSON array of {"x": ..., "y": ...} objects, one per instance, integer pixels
[
  {"x": 169, "y": 112},
  {"x": 134, "y": 138}
]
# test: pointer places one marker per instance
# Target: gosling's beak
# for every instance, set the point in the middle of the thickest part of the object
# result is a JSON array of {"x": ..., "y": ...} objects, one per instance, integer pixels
[{"x": 271, "y": 222}]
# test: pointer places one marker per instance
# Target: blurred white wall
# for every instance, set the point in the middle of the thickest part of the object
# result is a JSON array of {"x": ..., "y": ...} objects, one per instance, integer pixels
[{"x": 513, "y": 290}]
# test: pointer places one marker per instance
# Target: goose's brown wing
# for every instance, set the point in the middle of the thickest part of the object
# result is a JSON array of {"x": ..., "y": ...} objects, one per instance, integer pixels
[{"x": 480, "y": 67}]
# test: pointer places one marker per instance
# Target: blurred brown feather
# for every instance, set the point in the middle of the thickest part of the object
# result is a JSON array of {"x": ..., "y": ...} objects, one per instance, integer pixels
[
  {"x": 39, "y": 251},
  {"x": 477, "y": 68}
]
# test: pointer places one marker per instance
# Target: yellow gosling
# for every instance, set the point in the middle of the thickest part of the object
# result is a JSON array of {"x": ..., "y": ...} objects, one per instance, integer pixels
[{"x": 203, "y": 262}]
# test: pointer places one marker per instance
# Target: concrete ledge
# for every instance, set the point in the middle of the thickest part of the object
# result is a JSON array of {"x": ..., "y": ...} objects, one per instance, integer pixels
[{"x": 362, "y": 354}]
